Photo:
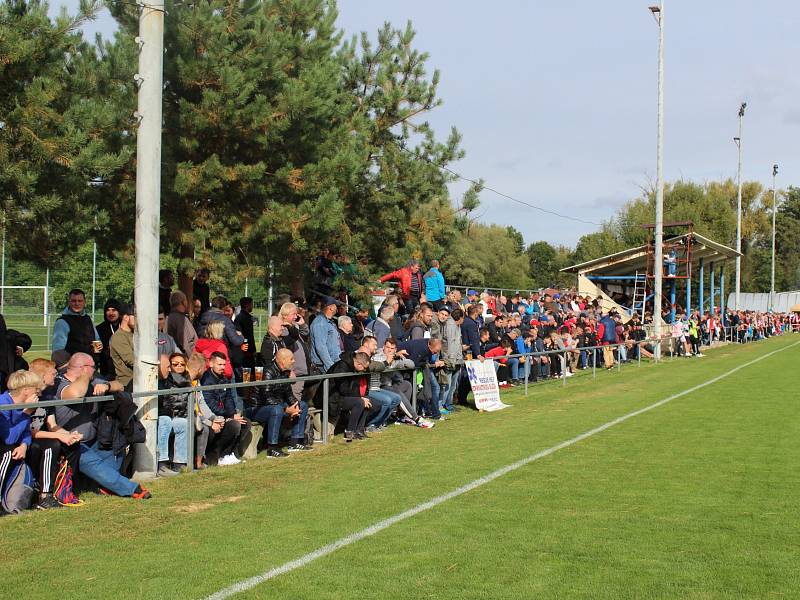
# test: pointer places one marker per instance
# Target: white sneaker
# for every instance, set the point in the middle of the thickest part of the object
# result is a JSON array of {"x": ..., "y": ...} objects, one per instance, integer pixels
[
  {"x": 700, "y": 354},
  {"x": 570, "y": 373},
  {"x": 228, "y": 460},
  {"x": 425, "y": 424}
]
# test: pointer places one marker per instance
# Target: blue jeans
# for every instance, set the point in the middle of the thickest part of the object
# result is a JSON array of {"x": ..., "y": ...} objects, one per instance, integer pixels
[
  {"x": 271, "y": 417},
  {"x": 103, "y": 466},
  {"x": 167, "y": 425},
  {"x": 299, "y": 427},
  {"x": 444, "y": 390},
  {"x": 455, "y": 376},
  {"x": 513, "y": 365},
  {"x": 436, "y": 390},
  {"x": 388, "y": 401}
]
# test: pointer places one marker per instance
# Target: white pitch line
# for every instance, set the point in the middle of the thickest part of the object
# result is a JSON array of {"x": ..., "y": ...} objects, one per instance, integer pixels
[{"x": 297, "y": 563}]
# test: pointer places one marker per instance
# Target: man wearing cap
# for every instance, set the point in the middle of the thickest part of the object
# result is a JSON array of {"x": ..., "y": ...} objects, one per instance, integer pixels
[
  {"x": 60, "y": 358},
  {"x": 122, "y": 346},
  {"x": 438, "y": 322},
  {"x": 412, "y": 287},
  {"x": 105, "y": 330},
  {"x": 326, "y": 345},
  {"x": 452, "y": 354}
]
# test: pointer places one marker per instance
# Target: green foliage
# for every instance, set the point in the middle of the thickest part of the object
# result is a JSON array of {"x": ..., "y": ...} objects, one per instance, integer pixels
[
  {"x": 487, "y": 254},
  {"x": 53, "y": 128},
  {"x": 545, "y": 262},
  {"x": 787, "y": 241}
]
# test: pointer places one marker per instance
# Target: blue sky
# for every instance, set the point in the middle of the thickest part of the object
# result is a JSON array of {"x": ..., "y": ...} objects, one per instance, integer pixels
[{"x": 557, "y": 100}]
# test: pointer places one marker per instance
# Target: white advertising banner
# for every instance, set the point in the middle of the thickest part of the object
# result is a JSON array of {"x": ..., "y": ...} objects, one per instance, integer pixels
[{"x": 483, "y": 380}]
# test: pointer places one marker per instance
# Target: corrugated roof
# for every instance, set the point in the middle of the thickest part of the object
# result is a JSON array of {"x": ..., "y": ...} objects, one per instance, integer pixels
[{"x": 632, "y": 260}]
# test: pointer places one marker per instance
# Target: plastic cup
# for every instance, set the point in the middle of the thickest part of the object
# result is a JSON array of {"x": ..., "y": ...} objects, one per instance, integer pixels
[
  {"x": 97, "y": 346},
  {"x": 246, "y": 373},
  {"x": 259, "y": 373}
]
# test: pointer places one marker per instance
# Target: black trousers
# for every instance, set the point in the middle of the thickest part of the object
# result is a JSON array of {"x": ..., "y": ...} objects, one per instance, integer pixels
[
  {"x": 233, "y": 437},
  {"x": 43, "y": 459},
  {"x": 464, "y": 388},
  {"x": 7, "y": 464},
  {"x": 358, "y": 416}
]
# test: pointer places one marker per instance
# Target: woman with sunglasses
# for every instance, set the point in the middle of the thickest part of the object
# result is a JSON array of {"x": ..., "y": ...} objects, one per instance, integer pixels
[{"x": 172, "y": 413}]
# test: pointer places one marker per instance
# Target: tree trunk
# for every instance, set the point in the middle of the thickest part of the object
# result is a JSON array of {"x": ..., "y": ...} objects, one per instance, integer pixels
[
  {"x": 186, "y": 274},
  {"x": 296, "y": 276}
]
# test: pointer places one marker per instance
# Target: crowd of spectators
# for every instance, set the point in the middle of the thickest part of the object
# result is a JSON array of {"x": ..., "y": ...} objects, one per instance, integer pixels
[{"x": 419, "y": 328}]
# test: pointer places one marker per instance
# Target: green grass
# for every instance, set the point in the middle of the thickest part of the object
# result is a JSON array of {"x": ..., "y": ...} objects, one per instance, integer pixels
[{"x": 695, "y": 499}]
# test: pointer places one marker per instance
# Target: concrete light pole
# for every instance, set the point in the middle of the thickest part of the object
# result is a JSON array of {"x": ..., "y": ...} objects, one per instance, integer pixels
[
  {"x": 658, "y": 13},
  {"x": 774, "y": 211},
  {"x": 738, "y": 141},
  {"x": 148, "y": 217}
]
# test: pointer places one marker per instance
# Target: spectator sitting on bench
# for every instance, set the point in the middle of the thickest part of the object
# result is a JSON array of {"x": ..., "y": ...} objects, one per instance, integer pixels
[
  {"x": 233, "y": 436},
  {"x": 271, "y": 404}
]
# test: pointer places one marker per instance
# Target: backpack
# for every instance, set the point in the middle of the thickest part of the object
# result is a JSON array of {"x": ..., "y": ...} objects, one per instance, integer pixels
[
  {"x": 64, "y": 490},
  {"x": 18, "y": 491}
]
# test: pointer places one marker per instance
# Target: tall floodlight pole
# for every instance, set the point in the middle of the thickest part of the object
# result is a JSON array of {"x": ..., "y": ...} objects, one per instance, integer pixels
[
  {"x": 658, "y": 13},
  {"x": 738, "y": 141},
  {"x": 3, "y": 272},
  {"x": 148, "y": 201},
  {"x": 774, "y": 211}
]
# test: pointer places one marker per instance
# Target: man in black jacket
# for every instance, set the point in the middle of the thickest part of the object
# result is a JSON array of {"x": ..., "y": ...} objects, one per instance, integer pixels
[
  {"x": 470, "y": 332},
  {"x": 271, "y": 404},
  {"x": 244, "y": 322},
  {"x": 105, "y": 330},
  {"x": 235, "y": 432},
  {"x": 496, "y": 328},
  {"x": 351, "y": 393}
]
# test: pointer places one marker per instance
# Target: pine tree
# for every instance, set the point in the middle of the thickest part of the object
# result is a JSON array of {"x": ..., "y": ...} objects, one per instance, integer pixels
[
  {"x": 279, "y": 139},
  {"x": 52, "y": 140}
]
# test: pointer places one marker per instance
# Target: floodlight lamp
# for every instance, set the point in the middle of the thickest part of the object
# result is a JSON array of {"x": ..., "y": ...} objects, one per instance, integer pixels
[
  {"x": 654, "y": 9},
  {"x": 774, "y": 170},
  {"x": 741, "y": 109}
]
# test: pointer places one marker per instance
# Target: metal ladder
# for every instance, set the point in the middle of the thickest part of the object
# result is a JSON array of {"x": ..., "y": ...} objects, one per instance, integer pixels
[{"x": 639, "y": 295}]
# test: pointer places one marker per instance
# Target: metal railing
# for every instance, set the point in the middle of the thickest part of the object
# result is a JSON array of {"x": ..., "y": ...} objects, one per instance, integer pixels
[{"x": 326, "y": 378}]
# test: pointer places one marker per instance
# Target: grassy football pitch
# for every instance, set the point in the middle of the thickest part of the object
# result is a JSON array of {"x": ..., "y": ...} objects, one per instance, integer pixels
[{"x": 697, "y": 498}]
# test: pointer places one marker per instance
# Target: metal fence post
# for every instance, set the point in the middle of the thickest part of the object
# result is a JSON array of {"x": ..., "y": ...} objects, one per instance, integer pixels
[
  {"x": 619, "y": 358},
  {"x": 414, "y": 389},
  {"x": 325, "y": 409},
  {"x": 528, "y": 359},
  {"x": 563, "y": 369},
  {"x": 190, "y": 433},
  {"x": 639, "y": 353}
]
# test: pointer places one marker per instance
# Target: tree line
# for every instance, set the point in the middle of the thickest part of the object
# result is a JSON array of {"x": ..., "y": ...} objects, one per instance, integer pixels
[{"x": 280, "y": 136}]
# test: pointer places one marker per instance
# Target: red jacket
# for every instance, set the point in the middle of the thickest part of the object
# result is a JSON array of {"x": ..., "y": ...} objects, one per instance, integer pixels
[
  {"x": 498, "y": 353},
  {"x": 206, "y": 347},
  {"x": 404, "y": 276}
]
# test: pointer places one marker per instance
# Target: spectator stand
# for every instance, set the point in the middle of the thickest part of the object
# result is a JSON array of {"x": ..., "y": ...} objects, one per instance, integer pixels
[{"x": 613, "y": 278}]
